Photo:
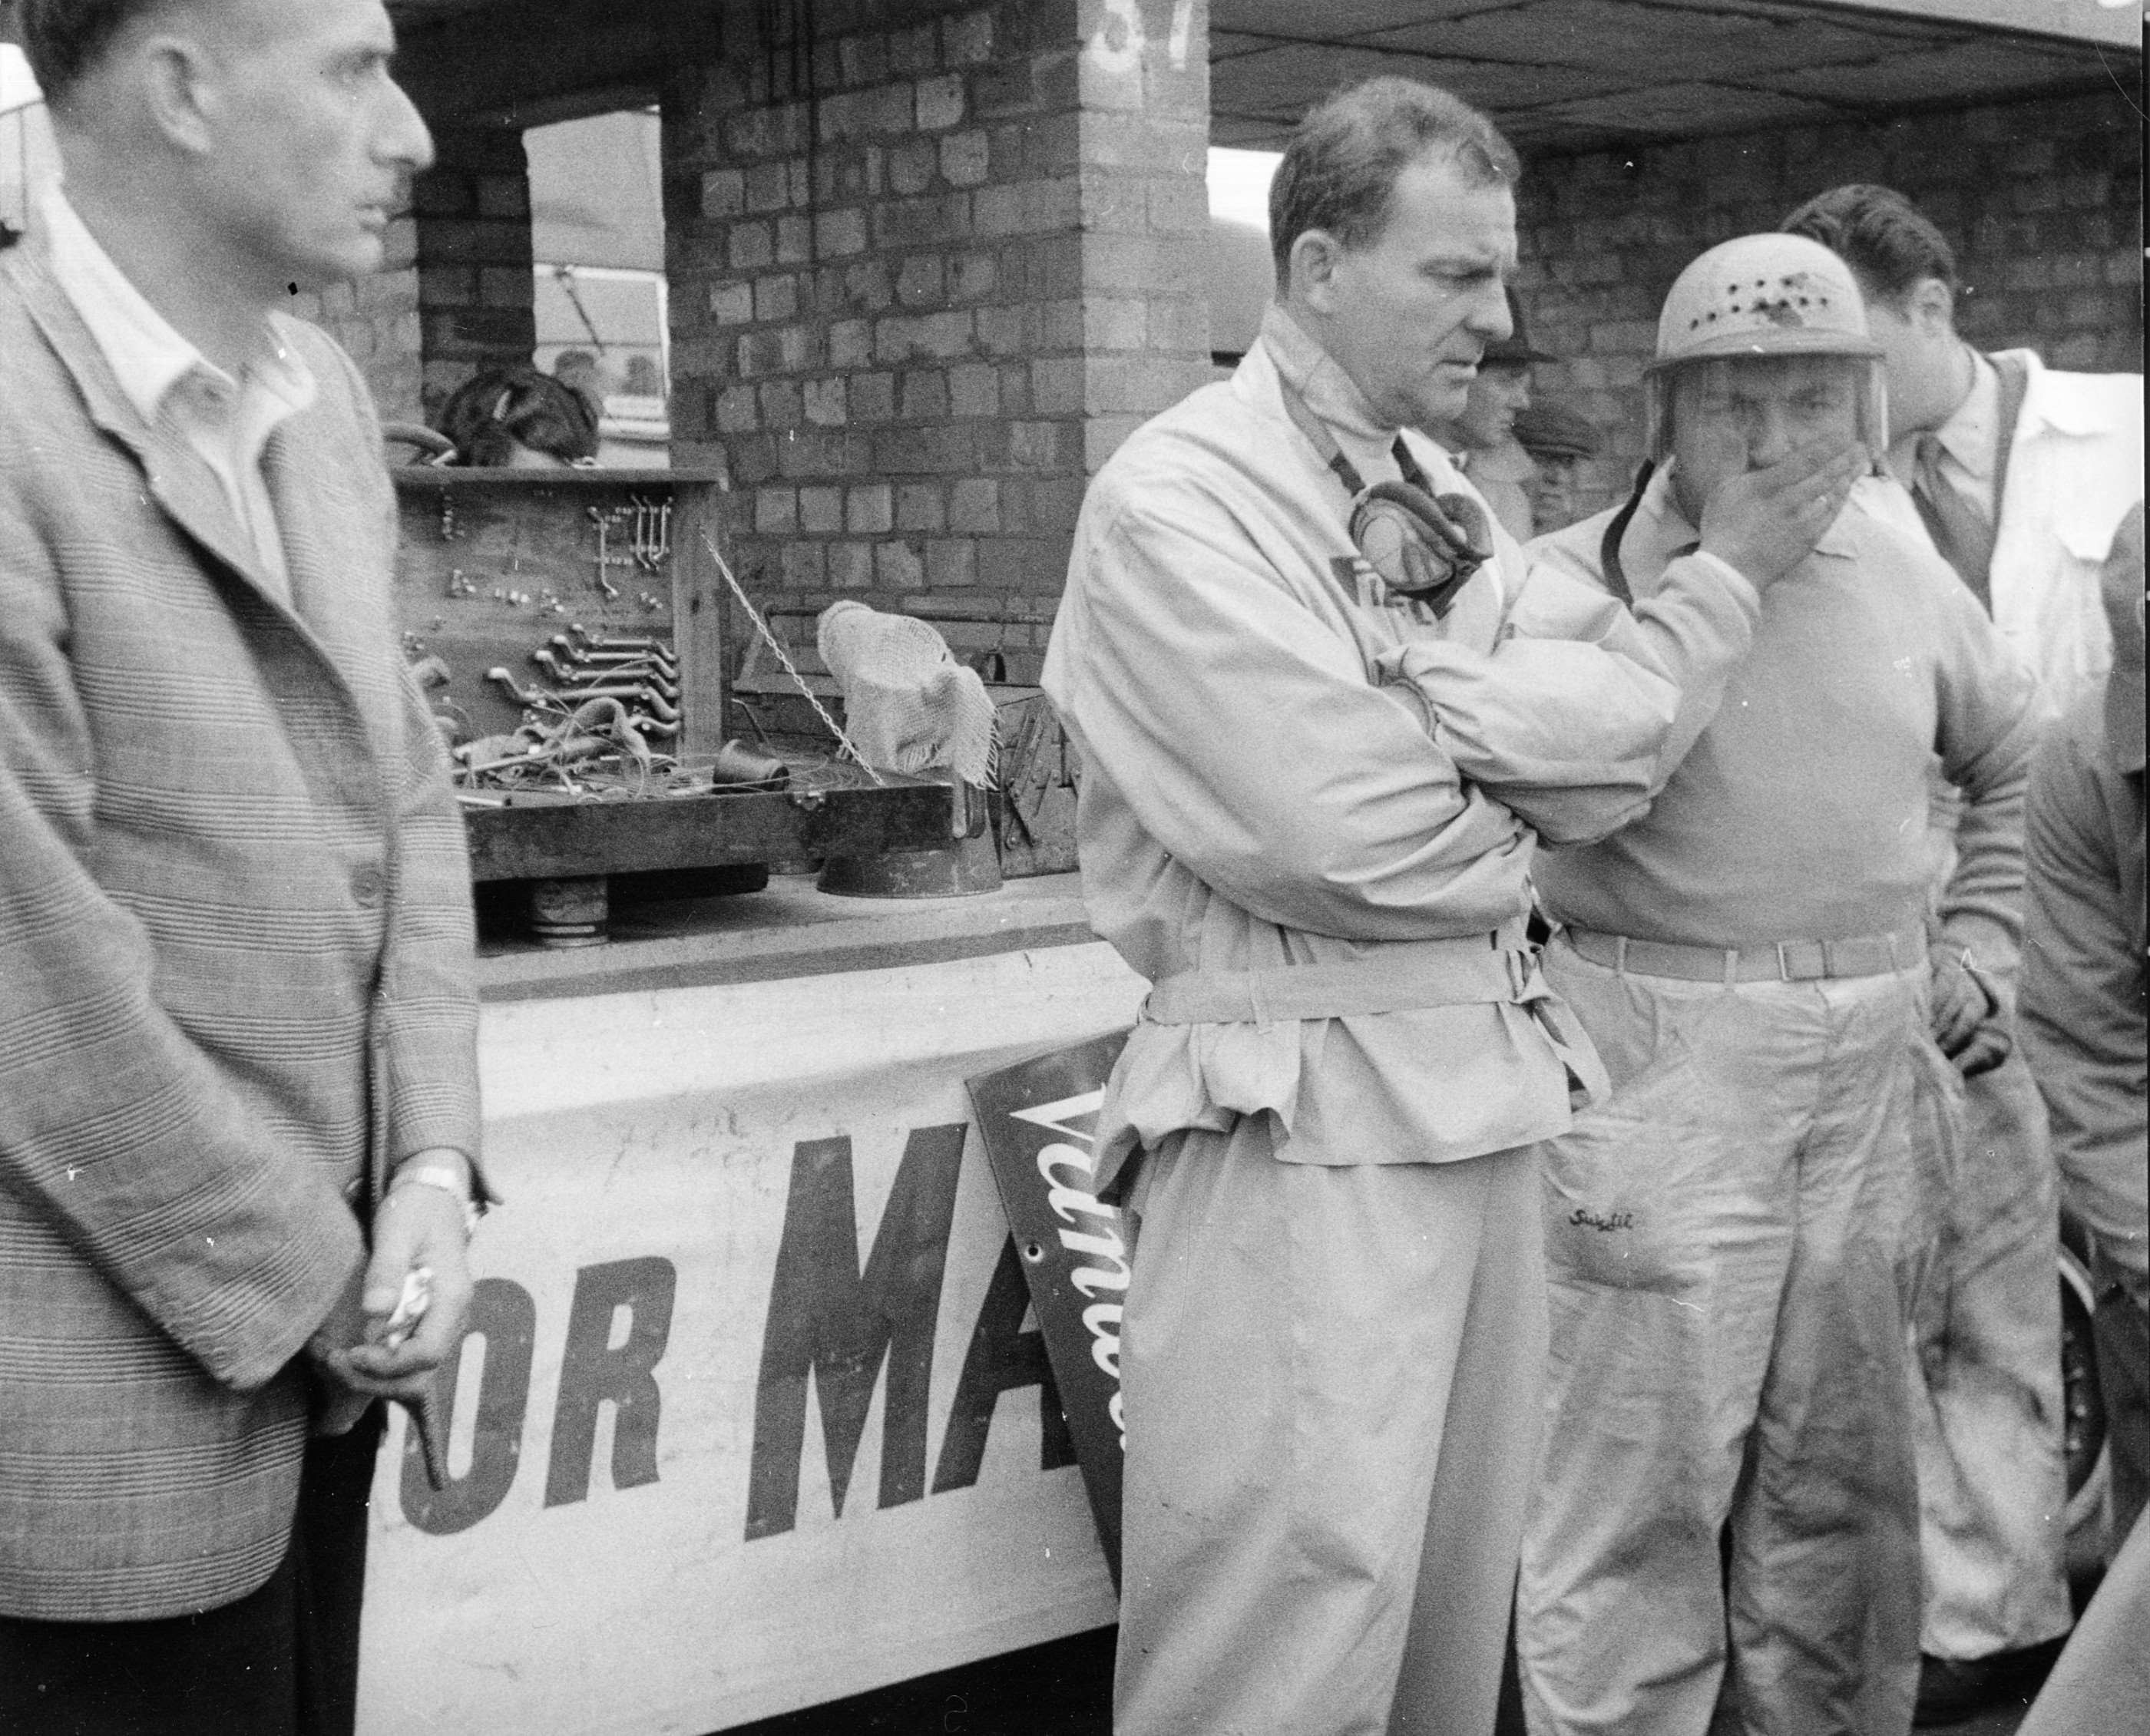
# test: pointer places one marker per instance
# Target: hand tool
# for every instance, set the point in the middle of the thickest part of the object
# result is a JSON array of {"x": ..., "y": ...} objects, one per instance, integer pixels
[
  {"x": 599, "y": 642},
  {"x": 573, "y": 680},
  {"x": 624, "y": 651},
  {"x": 548, "y": 700}
]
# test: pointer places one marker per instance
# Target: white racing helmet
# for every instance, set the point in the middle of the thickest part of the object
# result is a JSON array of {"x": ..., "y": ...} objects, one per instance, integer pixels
[{"x": 1762, "y": 296}]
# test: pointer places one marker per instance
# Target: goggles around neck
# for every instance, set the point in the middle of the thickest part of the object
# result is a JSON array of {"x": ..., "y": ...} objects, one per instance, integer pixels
[{"x": 1426, "y": 546}]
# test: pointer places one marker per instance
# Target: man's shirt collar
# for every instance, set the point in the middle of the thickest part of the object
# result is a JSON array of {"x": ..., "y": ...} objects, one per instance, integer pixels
[
  {"x": 147, "y": 355},
  {"x": 1972, "y": 436},
  {"x": 1969, "y": 439}
]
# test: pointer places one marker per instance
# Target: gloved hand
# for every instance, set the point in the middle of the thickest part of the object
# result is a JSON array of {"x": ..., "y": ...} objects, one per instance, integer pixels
[{"x": 1970, "y": 1018}]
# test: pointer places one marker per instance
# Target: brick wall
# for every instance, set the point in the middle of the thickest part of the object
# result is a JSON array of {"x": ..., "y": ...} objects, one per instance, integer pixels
[
  {"x": 376, "y": 320},
  {"x": 929, "y": 264},
  {"x": 2041, "y": 200},
  {"x": 455, "y": 294},
  {"x": 475, "y": 297}
]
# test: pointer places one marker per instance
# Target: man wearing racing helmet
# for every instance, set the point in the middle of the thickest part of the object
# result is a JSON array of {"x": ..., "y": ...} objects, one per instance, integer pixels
[
  {"x": 1734, "y": 1239},
  {"x": 1319, "y": 740}
]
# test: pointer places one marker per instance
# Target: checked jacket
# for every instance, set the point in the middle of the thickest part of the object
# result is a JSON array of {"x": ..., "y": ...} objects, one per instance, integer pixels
[{"x": 235, "y": 946}]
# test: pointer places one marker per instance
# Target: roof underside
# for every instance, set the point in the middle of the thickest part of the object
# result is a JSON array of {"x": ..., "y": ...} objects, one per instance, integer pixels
[{"x": 1571, "y": 75}]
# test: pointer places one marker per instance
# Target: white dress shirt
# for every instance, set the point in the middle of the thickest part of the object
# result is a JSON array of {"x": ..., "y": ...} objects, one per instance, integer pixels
[
  {"x": 1970, "y": 443},
  {"x": 226, "y": 421}
]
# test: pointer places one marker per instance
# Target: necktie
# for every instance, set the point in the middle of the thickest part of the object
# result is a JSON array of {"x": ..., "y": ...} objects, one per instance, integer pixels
[{"x": 1964, "y": 538}]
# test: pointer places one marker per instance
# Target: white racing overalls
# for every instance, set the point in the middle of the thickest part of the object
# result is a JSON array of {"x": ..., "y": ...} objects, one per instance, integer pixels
[{"x": 1735, "y": 1239}]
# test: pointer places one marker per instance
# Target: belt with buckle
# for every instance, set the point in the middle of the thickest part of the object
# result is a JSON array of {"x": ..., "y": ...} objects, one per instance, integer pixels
[{"x": 1867, "y": 955}]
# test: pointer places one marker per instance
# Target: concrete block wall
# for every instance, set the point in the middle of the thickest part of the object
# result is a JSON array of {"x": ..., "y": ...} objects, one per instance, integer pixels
[
  {"x": 2041, "y": 201},
  {"x": 930, "y": 263}
]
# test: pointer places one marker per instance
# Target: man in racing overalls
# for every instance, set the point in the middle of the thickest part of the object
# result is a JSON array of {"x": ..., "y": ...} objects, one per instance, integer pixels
[
  {"x": 1734, "y": 1239},
  {"x": 1319, "y": 737}
]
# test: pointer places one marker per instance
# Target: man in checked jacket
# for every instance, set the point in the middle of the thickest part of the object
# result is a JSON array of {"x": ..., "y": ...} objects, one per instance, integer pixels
[{"x": 236, "y": 1021}]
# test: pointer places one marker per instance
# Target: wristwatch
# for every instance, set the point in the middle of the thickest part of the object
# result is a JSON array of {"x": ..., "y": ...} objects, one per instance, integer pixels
[{"x": 448, "y": 1180}]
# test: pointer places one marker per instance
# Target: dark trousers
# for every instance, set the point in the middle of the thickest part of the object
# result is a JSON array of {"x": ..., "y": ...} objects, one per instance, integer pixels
[
  {"x": 2123, "y": 1329},
  {"x": 282, "y": 1661}
]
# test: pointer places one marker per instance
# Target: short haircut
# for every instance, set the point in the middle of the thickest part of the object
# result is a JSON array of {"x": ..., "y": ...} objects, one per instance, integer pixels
[
  {"x": 1880, "y": 235},
  {"x": 62, "y": 39},
  {"x": 1340, "y": 168}
]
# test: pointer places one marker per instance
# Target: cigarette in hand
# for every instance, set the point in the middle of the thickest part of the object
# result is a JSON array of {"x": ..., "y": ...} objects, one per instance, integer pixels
[{"x": 411, "y": 1306}]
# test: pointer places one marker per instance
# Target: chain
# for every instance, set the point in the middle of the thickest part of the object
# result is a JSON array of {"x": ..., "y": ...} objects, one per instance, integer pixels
[{"x": 790, "y": 668}]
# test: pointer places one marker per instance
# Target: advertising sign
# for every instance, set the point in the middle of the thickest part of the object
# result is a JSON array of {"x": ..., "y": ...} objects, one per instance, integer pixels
[
  {"x": 753, "y": 1413},
  {"x": 1036, "y": 1120}
]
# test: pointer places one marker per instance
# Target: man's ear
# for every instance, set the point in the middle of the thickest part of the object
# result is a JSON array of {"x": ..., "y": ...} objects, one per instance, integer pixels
[
  {"x": 1930, "y": 305},
  {"x": 1315, "y": 253},
  {"x": 173, "y": 78}
]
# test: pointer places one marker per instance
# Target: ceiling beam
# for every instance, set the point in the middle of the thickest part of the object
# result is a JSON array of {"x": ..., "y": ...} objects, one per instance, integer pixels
[{"x": 525, "y": 62}]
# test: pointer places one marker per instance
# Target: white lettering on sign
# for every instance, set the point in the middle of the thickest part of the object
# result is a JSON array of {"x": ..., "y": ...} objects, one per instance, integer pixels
[
  {"x": 847, "y": 1326},
  {"x": 1106, "y": 1248},
  {"x": 732, "y": 1203}
]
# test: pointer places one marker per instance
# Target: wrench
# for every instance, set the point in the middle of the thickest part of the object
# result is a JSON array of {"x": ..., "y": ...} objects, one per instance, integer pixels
[
  {"x": 581, "y": 681},
  {"x": 551, "y": 698},
  {"x": 604, "y": 584},
  {"x": 624, "y": 669},
  {"x": 548, "y": 699},
  {"x": 651, "y": 654},
  {"x": 596, "y": 641}
]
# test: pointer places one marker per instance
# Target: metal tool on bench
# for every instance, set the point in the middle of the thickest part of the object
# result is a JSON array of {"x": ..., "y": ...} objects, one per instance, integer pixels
[
  {"x": 739, "y": 767},
  {"x": 652, "y": 540},
  {"x": 589, "y": 641},
  {"x": 572, "y": 750},
  {"x": 603, "y": 521},
  {"x": 584, "y": 674},
  {"x": 573, "y": 677},
  {"x": 583, "y": 645},
  {"x": 606, "y": 681},
  {"x": 575, "y": 656},
  {"x": 539, "y": 698}
]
